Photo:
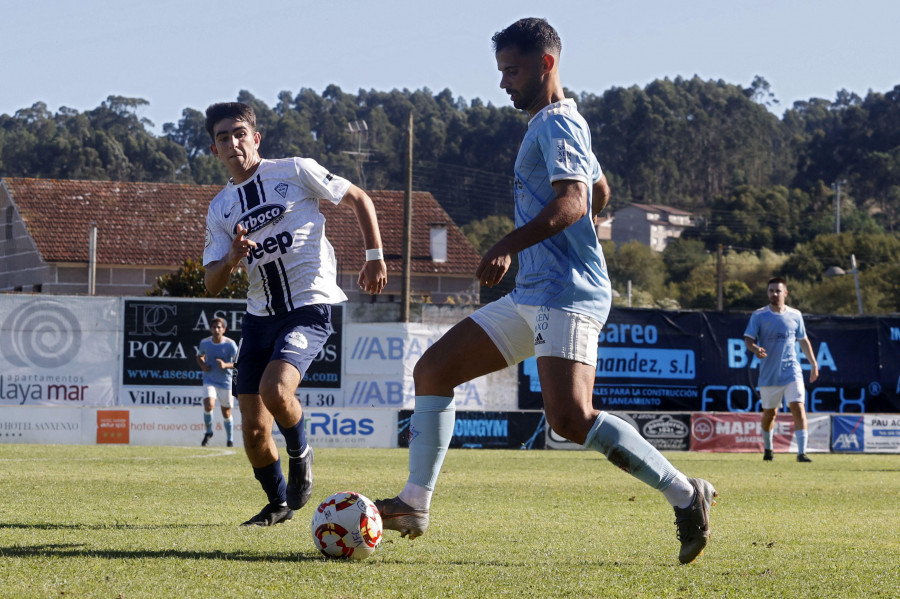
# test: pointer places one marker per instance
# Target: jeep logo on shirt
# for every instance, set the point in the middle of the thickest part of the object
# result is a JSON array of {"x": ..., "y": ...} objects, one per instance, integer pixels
[
  {"x": 260, "y": 217},
  {"x": 277, "y": 243}
]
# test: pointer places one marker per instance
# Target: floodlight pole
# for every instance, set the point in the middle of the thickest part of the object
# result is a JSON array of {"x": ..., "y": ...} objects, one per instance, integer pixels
[
  {"x": 92, "y": 259},
  {"x": 407, "y": 228},
  {"x": 856, "y": 282},
  {"x": 836, "y": 186}
]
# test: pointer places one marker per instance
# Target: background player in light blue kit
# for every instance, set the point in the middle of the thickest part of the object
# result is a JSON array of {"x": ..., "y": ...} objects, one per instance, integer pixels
[
  {"x": 561, "y": 300},
  {"x": 772, "y": 335},
  {"x": 216, "y": 355}
]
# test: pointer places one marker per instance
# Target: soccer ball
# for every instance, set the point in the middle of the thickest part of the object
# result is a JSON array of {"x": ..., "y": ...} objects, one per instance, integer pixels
[{"x": 346, "y": 525}]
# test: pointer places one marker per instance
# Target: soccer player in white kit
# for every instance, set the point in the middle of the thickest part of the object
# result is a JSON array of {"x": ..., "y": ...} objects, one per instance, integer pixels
[
  {"x": 268, "y": 218},
  {"x": 771, "y": 336},
  {"x": 561, "y": 300}
]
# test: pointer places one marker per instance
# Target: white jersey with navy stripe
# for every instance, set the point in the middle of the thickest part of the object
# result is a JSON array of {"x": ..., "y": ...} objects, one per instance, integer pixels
[{"x": 293, "y": 263}]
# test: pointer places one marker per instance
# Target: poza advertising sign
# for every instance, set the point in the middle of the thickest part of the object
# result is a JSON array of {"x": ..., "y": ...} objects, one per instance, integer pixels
[{"x": 161, "y": 340}]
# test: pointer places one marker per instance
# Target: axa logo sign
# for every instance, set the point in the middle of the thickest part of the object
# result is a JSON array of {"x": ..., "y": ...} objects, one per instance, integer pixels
[
  {"x": 266, "y": 214},
  {"x": 847, "y": 442}
]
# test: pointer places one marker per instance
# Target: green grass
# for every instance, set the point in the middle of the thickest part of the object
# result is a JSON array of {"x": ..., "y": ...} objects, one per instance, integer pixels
[{"x": 117, "y": 521}]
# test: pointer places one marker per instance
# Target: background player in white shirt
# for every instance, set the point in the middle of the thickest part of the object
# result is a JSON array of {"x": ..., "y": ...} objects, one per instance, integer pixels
[
  {"x": 268, "y": 218},
  {"x": 771, "y": 335},
  {"x": 561, "y": 300}
]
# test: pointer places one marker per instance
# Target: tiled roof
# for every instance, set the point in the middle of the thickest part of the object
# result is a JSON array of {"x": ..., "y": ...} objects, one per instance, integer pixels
[
  {"x": 342, "y": 230},
  {"x": 162, "y": 224}
]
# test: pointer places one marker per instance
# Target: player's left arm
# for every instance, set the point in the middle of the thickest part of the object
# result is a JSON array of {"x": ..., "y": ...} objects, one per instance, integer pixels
[
  {"x": 373, "y": 275},
  {"x": 807, "y": 349},
  {"x": 600, "y": 194},
  {"x": 567, "y": 208}
]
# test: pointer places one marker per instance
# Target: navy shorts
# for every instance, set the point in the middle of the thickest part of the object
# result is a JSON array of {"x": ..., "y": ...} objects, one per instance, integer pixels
[{"x": 296, "y": 337}]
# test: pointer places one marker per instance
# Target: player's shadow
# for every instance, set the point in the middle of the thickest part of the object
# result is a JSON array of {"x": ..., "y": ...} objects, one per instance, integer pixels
[
  {"x": 55, "y": 526},
  {"x": 77, "y": 550}
]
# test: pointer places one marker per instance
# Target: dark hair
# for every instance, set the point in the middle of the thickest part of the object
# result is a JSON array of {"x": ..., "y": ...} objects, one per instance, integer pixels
[
  {"x": 229, "y": 110},
  {"x": 775, "y": 280},
  {"x": 213, "y": 321},
  {"x": 529, "y": 35}
]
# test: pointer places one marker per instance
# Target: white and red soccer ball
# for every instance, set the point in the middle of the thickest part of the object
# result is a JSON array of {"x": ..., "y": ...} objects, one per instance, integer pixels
[{"x": 346, "y": 525}]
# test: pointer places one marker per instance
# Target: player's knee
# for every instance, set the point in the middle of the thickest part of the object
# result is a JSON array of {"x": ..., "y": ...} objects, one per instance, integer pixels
[
  {"x": 274, "y": 390},
  {"x": 429, "y": 369},
  {"x": 569, "y": 425},
  {"x": 254, "y": 436}
]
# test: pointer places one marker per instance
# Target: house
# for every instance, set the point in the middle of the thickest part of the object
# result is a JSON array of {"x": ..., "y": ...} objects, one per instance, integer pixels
[
  {"x": 603, "y": 227},
  {"x": 145, "y": 230},
  {"x": 651, "y": 224}
]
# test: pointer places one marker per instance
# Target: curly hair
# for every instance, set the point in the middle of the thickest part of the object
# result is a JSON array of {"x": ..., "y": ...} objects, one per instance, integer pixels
[{"x": 229, "y": 110}]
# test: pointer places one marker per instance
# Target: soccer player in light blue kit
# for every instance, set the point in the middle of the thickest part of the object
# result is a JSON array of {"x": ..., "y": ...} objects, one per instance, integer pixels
[
  {"x": 216, "y": 355},
  {"x": 561, "y": 300},
  {"x": 772, "y": 335}
]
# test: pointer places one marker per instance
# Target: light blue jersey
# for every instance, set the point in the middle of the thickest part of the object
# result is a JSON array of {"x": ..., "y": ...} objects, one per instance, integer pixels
[
  {"x": 566, "y": 271},
  {"x": 227, "y": 351},
  {"x": 778, "y": 335}
]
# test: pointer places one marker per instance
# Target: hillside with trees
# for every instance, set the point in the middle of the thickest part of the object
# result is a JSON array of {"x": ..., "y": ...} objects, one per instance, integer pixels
[{"x": 763, "y": 187}]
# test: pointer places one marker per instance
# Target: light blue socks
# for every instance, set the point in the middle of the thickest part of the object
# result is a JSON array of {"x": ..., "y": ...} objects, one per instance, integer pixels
[
  {"x": 430, "y": 431},
  {"x": 624, "y": 447},
  {"x": 229, "y": 429},
  {"x": 208, "y": 420},
  {"x": 802, "y": 438},
  {"x": 767, "y": 438}
]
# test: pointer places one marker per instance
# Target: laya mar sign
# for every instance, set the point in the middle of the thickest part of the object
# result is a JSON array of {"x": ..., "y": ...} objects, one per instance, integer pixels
[{"x": 697, "y": 361}]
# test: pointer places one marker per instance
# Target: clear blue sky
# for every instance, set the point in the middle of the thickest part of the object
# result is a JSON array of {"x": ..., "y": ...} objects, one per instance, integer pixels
[{"x": 190, "y": 53}]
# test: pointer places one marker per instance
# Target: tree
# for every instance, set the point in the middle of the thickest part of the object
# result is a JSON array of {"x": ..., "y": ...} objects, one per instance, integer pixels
[
  {"x": 486, "y": 232},
  {"x": 187, "y": 281}
]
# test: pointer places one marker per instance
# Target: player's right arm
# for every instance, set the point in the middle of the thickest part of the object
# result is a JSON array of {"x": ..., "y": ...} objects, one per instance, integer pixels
[
  {"x": 218, "y": 272},
  {"x": 754, "y": 349},
  {"x": 569, "y": 205}
]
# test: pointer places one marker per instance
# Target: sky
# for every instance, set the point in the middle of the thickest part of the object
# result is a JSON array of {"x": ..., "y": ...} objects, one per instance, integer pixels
[{"x": 178, "y": 54}]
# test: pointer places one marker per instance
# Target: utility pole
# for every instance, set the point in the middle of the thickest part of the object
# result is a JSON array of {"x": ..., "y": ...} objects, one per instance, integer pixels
[
  {"x": 407, "y": 227},
  {"x": 92, "y": 259},
  {"x": 359, "y": 129},
  {"x": 836, "y": 186},
  {"x": 720, "y": 279}
]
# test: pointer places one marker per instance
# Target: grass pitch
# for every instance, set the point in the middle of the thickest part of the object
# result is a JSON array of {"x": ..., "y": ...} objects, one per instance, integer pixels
[{"x": 118, "y": 521}]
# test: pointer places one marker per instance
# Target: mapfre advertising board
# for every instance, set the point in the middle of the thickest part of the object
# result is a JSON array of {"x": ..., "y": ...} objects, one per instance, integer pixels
[{"x": 58, "y": 351}]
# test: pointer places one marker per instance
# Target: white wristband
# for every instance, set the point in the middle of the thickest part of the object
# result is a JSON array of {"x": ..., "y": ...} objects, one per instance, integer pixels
[{"x": 376, "y": 254}]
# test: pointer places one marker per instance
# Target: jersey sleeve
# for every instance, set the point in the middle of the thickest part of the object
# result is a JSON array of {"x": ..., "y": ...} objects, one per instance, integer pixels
[
  {"x": 596, "y": 171},
  {"x": 319, "y": 182},
  {"x": 801, "y": 327},
  {"x": 218, "y": 238},
  {"x": 567, "y": 152},
  {"x": 752, "y": 329},
  {"x": 201, "y": 348}
]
